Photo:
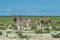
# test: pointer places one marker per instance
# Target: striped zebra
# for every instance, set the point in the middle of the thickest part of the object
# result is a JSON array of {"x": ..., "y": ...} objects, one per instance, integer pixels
[
  {"x": 21, "y": 22},
  {"x": 45, "y": 21}
]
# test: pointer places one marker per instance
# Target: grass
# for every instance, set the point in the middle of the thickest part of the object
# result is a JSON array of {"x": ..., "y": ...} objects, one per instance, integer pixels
[
  {"x": 53, "y": 20},
  {"x": 55, "y": 24}
]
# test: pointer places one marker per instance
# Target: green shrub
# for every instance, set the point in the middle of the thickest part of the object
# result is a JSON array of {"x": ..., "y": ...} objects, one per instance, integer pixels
[
  {"x": 21, "y": 35},
  {"x": 33, "y": 28},
  {"x": 8, "y": 31},
  {"x": 56, "y": 28},
  {"x": 1, "y": 33},
  {"x": 39, "y": 31},
  {"x": 57, "y": 35},
  {"x": 2, "y": 28},
  {"x": 15, "y": 27},
  {"x": 46, "y": 31}
]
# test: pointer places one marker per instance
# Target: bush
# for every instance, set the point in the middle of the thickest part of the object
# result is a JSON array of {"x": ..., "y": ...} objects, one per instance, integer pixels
[
  {"x": 56, "y": 28},
  {"x": 46, "y": 31},
  {"x": 1, "y": 33},
  {"x": 21, "y": 35},
  {"x": 15, "y": 27},
  {"x": 2, "y": 28},
  {"x": 39, "y": 31},
  {"x": 8, "y": 31},
  {"x": 57, "y": 35},
  {"x": 33, "y": 28}
]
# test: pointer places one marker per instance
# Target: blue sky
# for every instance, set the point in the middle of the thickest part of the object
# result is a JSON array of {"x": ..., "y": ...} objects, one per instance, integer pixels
[{"x": 30, "y": 7}]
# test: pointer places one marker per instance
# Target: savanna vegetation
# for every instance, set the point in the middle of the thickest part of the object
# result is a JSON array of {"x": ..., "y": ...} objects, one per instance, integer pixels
[{"x": 7, "y": 23}]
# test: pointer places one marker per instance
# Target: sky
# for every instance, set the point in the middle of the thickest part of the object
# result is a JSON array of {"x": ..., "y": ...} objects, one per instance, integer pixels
[{"x": 30, "y": 7}]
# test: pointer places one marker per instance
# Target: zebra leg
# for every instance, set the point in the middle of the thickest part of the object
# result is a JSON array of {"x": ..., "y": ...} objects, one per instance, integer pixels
[
  {"x": 40, "y": 25},
  {"x": 49, "y": 25},
  {"x": 27, "y": 27},
  {"x": 18, "y": 27}
]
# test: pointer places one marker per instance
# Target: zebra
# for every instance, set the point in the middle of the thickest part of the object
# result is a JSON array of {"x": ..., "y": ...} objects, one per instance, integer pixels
[
  {"x": 21, "y": 22},
  {"x": 42, "y": 22}
]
